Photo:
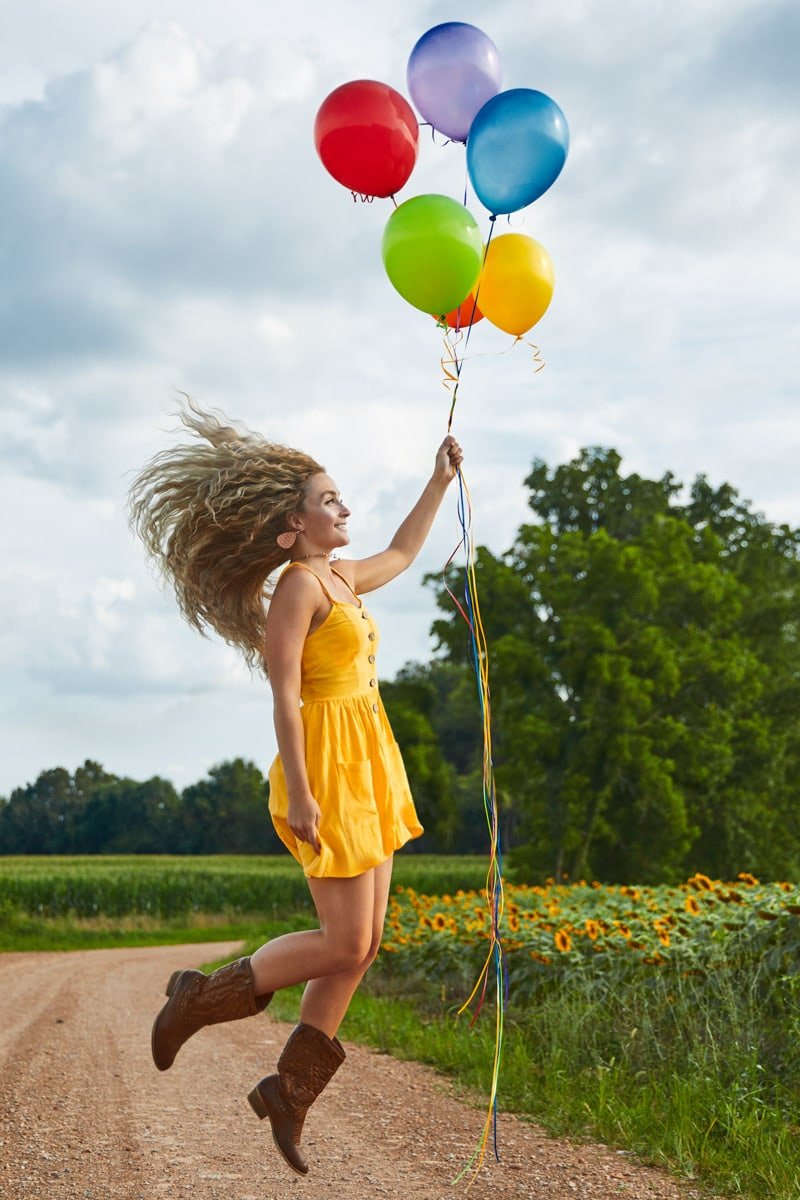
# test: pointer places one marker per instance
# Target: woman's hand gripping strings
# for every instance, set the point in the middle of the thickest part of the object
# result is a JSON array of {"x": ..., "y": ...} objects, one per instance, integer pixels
[{"x": 449, "y": 458}]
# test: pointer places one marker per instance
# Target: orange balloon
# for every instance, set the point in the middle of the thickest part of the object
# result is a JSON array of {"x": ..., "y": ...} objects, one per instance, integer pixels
[
  {"x": 465, "y": 315},
  {"x": 517, "y": 282}
]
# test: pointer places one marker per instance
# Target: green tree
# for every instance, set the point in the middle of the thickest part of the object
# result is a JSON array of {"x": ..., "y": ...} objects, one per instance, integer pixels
[
  {"x": 758, "y": 822},
  {"x": 414, "y": 703},
  {"x": 227, "y": 813},
  {"x": 45, "y": 817},
  {"x": 644, "y": 710},
  {"x": 123, "y": 816}
]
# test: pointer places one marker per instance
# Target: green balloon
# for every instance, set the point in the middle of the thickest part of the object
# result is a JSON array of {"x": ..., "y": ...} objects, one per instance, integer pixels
[{"x": 432, "y": 251}]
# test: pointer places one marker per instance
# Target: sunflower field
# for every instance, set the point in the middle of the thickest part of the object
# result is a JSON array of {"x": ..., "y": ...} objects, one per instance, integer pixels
[
  {"x": 661, "y": 1019},
  {"x": 562, "y": 931}
]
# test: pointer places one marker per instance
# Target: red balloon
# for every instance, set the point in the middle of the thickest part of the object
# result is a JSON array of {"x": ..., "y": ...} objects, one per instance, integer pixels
[
  {"x": 465, "y": 315},
  {"x": 367, "y": 136}
]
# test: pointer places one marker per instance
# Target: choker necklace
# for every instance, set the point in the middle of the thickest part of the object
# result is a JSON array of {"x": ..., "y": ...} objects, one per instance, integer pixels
[{"x": 319, "y": 554}]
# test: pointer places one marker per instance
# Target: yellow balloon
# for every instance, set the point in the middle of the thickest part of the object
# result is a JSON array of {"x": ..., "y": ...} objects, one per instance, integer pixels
[{"x": 516, "y": 284}]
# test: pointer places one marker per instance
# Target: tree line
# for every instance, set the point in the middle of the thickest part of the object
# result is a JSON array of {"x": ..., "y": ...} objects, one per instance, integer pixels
[
  {"x": 645, "y": 689},
  {"x": 93, "y": 812}
]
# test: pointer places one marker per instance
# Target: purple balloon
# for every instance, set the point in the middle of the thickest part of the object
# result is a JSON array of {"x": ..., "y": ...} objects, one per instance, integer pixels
[{"x": 453, "y": 70}]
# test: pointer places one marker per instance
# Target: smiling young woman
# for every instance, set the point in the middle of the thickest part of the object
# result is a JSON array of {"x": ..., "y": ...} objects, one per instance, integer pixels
[{"x": 219, "y": 516}]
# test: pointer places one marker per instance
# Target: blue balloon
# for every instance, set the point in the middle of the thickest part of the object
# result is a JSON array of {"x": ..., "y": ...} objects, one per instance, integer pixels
[{"x": 516, "y": 148}]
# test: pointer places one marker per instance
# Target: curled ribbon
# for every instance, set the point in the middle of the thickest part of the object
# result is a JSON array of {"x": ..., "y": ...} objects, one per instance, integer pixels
[
  {"x": 537, "y": 353},
  {"x": 449, "y": 360}
]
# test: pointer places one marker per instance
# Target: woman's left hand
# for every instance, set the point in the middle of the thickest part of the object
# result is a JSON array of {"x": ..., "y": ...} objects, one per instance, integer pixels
[{"x": 449, "y": 457}]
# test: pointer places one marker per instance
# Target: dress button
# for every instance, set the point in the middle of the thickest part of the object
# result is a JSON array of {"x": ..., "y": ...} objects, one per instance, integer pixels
[
  {"x": 374, "y": 708},
  {"x": 373, "y": 683},
  {"x": 364, "y": 616},
  {"x": 372, "y": 658},
  {"x": 371, "y": 636}
]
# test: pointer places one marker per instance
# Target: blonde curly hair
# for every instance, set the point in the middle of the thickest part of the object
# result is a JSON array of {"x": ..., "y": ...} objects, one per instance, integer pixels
[{"x": 209, "y": 516}]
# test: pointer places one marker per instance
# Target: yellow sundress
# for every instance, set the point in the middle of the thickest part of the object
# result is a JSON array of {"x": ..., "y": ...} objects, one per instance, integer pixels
[{"x": 355, "y": 771}]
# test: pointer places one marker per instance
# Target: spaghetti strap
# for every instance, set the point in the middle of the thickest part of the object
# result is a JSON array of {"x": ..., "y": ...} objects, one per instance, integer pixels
[
  {"x": 358, "y": 598},
  {"x": 297, "y": 563}
]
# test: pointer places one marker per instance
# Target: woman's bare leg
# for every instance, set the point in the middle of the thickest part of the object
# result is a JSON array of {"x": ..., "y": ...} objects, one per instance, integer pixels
[
  {"x": 326, "y": 999},
  {"x": 343, "y": 943}
]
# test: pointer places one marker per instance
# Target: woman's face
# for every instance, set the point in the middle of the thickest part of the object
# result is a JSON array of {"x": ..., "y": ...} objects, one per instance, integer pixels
[{"x": 324, "y": 515}]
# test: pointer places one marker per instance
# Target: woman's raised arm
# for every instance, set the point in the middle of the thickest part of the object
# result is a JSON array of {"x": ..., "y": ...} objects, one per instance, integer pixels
[{"x": 367, "y": 574}]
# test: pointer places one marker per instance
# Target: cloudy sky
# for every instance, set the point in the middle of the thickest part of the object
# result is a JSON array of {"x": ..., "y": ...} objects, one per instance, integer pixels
[{"x": 165, "y": 224}]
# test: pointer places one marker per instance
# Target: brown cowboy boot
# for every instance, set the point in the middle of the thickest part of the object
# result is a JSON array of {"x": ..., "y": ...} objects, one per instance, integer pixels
[
  {"x": 196, "y": 1000},
  {"x": 307, "y": 1064}
]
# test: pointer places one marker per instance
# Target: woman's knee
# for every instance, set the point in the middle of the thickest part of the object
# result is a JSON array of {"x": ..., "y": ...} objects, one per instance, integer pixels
[
  {"x": 372, "y": 950},
  {"x": 349, "y": 950}
]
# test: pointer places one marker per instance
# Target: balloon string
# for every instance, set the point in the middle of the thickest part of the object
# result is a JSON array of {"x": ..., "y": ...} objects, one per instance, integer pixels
[
  {"x": 494, "y": 881},
  {"x": 537, "y": 353},
  {"x": 446, "y": 142},
  {"x": 458, "y": 362},
  {"x": 450, "y": 360},
  {"x": 362, "y": 197}
]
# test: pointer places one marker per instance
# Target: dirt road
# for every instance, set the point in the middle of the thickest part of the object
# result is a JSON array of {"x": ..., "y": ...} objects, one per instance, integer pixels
[{"x": 85, "y": 1115}]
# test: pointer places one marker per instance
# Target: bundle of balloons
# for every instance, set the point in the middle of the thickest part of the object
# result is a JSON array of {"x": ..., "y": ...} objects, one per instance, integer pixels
[{"x": 367, "y": 136}]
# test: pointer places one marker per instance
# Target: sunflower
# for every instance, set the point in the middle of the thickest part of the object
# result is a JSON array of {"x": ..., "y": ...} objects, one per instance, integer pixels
[
  {"x": 747, "y": 878},
  {"x": 592, "y": 928},
  {"x": 691, "y": 905},
  {"x": 438, "y": 922},
  {"x": 563, "y": 941}
]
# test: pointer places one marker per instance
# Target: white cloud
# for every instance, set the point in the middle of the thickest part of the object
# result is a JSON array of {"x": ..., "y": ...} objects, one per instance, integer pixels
[{"x": 165, "y": 224}]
